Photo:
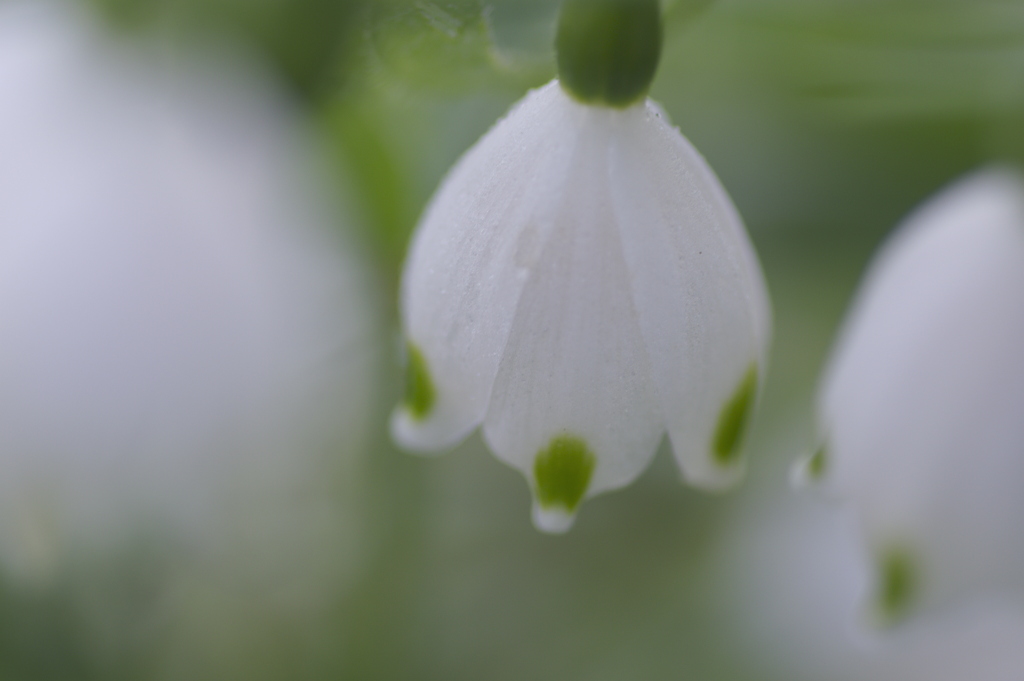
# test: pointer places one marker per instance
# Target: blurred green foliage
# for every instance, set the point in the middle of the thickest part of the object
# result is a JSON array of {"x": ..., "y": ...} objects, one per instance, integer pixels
[{"x": 41, "y": 635}]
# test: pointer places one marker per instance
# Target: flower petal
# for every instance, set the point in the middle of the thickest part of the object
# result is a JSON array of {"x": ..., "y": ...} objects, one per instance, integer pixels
[
  {"x": 700, "y": 295},
  {"x": 573, "y": 406},
  {"x": 469, "y": 262}
]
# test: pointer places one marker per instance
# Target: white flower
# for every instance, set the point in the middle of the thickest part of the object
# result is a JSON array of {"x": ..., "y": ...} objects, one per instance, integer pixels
[
  {"x": 789, "y": 586},
  {"x": 922, "y": 407},
  {"x": 579, "y": 285},
  {"x": 181, "y": 336}
]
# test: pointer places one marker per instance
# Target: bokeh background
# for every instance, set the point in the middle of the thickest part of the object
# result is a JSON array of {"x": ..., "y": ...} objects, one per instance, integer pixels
[{"x": 826, "y": 120}]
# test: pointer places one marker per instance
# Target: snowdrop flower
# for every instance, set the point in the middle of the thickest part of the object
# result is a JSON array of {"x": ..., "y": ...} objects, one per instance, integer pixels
[
  {"x": 181, "y": 335},
  {"x": 921, "y": 409},
  {"x": 581, "y": 284}
]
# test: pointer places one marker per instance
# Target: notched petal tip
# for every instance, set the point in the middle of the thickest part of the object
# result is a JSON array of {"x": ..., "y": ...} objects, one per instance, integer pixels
[
  {"x": 561, "y": 475},
  {"x": 811, "y": 469},
  {"x": 420, "y": 393},
  {"x": 733, "y": 420},
  {"x": 412, "y": 426},
  {"x": 719, "y": 465},
  {"x": 897, "y": 586}
]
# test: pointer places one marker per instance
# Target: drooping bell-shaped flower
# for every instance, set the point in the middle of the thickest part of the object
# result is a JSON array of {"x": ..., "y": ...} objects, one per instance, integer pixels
[
  {"x": 581, "y": 284},
  {"x": 921, "y": 410}
]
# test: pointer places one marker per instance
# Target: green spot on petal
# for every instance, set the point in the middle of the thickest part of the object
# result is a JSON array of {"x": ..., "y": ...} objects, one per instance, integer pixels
[
  {"x": 732, "y": 422},
  {"x": 818, "y": 463},
  {"x": 419, "y": 388},
  {"x": 562, "y": 472},
  {"x": 898, "y": 582}
]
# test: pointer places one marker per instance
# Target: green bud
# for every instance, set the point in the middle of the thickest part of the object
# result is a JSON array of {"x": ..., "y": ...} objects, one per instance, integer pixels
[{"x": 608, "y": 50}]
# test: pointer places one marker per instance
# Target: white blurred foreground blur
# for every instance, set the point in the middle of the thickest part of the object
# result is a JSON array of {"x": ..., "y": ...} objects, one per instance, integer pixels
[{"x": 185, "y": 351}]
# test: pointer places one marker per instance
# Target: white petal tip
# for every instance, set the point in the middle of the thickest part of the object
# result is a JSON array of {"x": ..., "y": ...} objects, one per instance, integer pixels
[
  {"x": 409, "y": 434},
  {"x": 552, "y": 520},
  {"x": 402, "y": 429},
  {"x": 715, "y": 478}
]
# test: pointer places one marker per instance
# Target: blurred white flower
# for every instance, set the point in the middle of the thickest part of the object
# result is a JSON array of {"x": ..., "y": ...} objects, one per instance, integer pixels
[
  {"x": 791, "y": 582},
  {"x": 580, "y": 285},
  {"x": 185, "y": 348},
  {"x": 921, "y": 410}
]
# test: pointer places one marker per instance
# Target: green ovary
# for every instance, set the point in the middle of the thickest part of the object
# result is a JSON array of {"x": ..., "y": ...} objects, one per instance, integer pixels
[
  {"x": 562, "y": 472},
  {"x": 733, "y": 419},
  {"x": 607, "y": 50},
  {"x": 419, "y": 388}
]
